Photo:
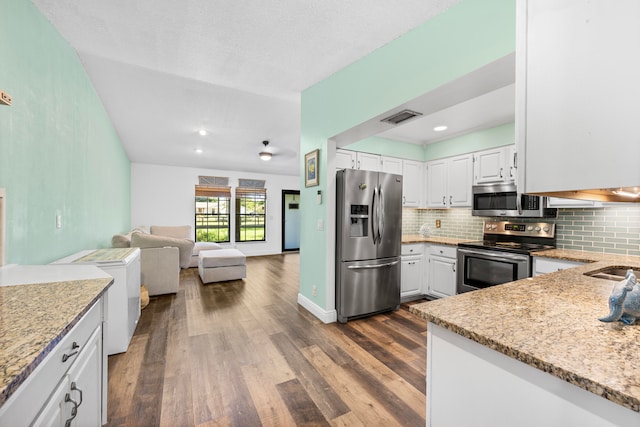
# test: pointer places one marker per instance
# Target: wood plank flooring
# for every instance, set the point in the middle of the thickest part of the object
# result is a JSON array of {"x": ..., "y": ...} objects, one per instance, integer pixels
[{"x": 243, "y": 353}]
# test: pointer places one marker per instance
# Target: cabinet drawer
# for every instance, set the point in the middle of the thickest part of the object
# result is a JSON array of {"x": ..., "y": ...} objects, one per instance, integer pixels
[
  {"x": 547, "y": 265},
  {"x": 443, "y": 250},
  {"x": 34, "y": 392},
  {"x": 412, "y": 249}
]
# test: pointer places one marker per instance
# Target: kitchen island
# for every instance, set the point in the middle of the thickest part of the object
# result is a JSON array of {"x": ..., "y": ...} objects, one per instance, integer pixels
[
  {"x": 50, "y": 343},
  {"x": 532, "y": 352}
]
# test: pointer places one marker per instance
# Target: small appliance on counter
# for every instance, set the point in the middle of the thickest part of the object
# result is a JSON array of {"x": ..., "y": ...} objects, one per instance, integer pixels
[
  {"x": 504, "y": 254},
  {"x": 368, "y": 242}
]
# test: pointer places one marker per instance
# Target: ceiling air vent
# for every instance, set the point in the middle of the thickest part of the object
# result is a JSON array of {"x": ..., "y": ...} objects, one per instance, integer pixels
[{"x": 400, "y": 117}]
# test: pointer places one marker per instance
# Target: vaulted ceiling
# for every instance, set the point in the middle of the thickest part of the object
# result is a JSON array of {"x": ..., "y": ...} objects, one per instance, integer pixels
[{"x": 165, "y": 69}]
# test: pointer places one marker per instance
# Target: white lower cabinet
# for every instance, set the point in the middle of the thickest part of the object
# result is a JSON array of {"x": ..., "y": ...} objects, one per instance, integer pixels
[
  {"x": 68, "y": 388},
  {"x": 543, "y": 265},
  {"x": 412, "y": 271},
  {"x": 442, "y": 271}
]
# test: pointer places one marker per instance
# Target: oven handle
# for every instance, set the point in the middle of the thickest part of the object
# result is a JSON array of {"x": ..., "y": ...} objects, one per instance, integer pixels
[{"x": 494, "y": 255}]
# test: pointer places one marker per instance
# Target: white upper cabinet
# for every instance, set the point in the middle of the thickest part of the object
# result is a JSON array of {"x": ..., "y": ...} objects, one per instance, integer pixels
[
  {"x": 412, "y": 184},
  {"x": 577, "y": 92},
  {"x": 449, "y": 182},
  {"x": 347, "y": 159},
  {"x": 496, "y": 165},
  {"x": 392, "y": 165}
]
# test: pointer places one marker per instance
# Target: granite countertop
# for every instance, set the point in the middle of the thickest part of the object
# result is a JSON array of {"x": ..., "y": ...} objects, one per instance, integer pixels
[
  {"x": 417, "y": 238},
  {"x": 551, "y": 322},
  {"x": 35, "y": 316}
]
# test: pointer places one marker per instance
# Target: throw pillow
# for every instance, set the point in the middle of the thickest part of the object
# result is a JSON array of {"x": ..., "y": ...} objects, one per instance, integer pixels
[{"x": 121, "y": 241}]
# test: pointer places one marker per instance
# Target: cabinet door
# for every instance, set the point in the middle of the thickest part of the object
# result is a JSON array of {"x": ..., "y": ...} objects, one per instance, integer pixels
[
  {"x": 345, "y": 159},
  {"x": 57, "y": 410},
  {"x": 411, "y": 184},
  {"x": 489, "y": 166},
  {"x": 85, "y": 382},
  {"x": 437, "y": 184},
  {"x": 411, "y": 279},
  {"x": 368, "y": 162},
  {"x": 442, "y": 276},
  {"x": 460, "y": 180},
  {"x": 391, "y": 165}
]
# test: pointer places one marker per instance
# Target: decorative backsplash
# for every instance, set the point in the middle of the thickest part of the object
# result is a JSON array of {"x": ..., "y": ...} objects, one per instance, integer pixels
[{"x": 613, "y": 229}]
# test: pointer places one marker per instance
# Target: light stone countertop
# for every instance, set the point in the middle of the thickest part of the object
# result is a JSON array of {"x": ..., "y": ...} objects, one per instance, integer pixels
[
  {"x": 551, "y": 322},
  {"x": 417, "y": 238},
  {"x": 35, "y": 317}
]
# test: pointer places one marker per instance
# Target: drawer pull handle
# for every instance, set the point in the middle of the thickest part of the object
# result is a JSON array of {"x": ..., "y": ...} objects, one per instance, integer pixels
[
  {"x": 74, "y": 410},
  {"x": 75, "y": 388},
  {"x": 74, "y": 347}
]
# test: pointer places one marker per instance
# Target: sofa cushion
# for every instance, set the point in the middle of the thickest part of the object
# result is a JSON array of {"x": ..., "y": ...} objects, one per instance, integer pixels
[
  {"x": 185, "y": 246},
  {"x": 121, "y": 241},
  {"x": 177, "y": 231}
]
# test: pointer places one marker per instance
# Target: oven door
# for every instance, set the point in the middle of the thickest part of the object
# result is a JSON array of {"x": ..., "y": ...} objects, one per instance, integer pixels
[{"x": 481, "y": 268}]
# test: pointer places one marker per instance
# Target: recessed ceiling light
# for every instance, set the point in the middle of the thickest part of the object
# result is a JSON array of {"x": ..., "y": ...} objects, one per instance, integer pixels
[
  {"x": 198, "y": 150},
  {"x": 203, "y": 132},
  {"x": 440, "y": 128}
]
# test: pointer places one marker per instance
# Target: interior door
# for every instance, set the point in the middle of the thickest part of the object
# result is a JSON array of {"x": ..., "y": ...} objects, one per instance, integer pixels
[{"x": 290, "y": 220}]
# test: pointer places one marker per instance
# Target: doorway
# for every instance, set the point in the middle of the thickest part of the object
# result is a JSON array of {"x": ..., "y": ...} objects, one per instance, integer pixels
[{"x": 290, "y": 220}]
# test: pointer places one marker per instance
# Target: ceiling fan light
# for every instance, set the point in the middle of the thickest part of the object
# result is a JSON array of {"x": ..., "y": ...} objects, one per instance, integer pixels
[{"x": 265, "y": 155}]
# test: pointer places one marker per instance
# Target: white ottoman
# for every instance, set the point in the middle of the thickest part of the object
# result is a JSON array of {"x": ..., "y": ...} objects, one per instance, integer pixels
[{"x": 219, "y": 265}]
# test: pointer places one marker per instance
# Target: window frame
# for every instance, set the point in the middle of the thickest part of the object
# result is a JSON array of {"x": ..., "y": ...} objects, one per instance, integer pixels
[
  {"x": 211, "y": 193},
  {"x": 257, "y": 196}
]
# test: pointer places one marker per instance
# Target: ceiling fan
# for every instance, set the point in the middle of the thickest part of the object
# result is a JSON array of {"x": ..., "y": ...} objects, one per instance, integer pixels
[{"x": 264, "y": 154}]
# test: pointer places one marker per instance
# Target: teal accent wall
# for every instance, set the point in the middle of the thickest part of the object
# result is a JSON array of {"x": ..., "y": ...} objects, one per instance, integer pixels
[
  {"x": 59, "y": 153},
  {"x": 481, "y": 140},
  {"x": 388, "y": 147},
  {"x": 467, "y": 36}
]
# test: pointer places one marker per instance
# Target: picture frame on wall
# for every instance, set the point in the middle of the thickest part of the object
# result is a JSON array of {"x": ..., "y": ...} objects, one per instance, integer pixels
[{"x": 311, "y": 171}]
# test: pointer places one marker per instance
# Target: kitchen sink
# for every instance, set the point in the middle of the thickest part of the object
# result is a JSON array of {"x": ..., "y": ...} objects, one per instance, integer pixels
[{"x": 612, "y": 273}]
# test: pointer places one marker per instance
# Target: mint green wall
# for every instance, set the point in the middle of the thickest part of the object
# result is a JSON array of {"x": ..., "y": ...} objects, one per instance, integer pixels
[
  {"x": 467, "y": 36},
  {"x": 476, "y": 141},
  {"x": 388, "y": 147},
  {"x": 58, "y": 150}
]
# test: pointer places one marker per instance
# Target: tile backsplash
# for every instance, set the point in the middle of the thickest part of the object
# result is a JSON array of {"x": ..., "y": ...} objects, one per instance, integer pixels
[{"x": 612, "y": 229}]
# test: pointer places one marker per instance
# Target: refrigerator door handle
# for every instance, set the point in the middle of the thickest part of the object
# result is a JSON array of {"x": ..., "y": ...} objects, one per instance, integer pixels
[
  {"x": 386, "y": 264},
  {"x": 374, "y": 215},
  {"x": 380, "y": 214}
]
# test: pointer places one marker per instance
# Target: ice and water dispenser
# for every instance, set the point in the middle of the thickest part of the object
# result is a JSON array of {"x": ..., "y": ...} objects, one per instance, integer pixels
[{"x": 359, "y": 221}]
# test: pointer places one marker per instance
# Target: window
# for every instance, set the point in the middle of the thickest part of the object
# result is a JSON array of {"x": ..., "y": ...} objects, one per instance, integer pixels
[
  {"x": 251, "y": 207},
  {"x": 213, "y": 214}
]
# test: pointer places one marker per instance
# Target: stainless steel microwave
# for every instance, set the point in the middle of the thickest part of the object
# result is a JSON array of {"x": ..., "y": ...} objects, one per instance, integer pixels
[{"x": 503, "y": 200}]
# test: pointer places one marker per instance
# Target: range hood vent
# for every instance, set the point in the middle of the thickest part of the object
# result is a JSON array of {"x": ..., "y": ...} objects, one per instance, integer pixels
[{"x": 400, "y": 117}]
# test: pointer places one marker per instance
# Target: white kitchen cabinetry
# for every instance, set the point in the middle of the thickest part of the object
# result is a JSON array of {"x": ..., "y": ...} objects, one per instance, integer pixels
[
  {"x": 412, "y": 184},
  {"x": 347, "y": 159},
  {"x": 442, "y": 271},
  {"x": 412, "y": 271},
  {"x": 496, "y": 165},
  {"x": 391, "y": 165},
  {"x": 449, "y": 182},
  {"x": 123, "y": 296},
  {"x": 556, "y": 202},
  {"x": 72, "y": 375},
  {"x": 543, "y": 265},
  {"x": 577, "y": 94}
]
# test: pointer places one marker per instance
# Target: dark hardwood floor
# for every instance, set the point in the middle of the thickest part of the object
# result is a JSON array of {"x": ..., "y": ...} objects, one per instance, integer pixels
[{"x": 243, "y": 353}]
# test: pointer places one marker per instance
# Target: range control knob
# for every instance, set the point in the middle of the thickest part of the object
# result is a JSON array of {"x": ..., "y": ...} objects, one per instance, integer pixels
[
  {"x": 546, "y": 229},
  {"x": 538, "y": 229},
  {"x": 529, "y": 228},
  {"x": 494, "y": 227},
  {"x": 488, "y": 226}
]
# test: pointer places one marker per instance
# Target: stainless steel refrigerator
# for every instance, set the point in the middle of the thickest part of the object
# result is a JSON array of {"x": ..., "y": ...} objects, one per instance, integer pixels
[{"x": 368, "y": 236}]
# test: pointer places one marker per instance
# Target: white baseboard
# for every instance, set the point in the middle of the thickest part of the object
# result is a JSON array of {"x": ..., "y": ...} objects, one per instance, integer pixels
[{"x": 330, "y": 316}]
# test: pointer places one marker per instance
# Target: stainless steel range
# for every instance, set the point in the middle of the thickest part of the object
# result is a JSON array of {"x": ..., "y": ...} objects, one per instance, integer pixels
[{"x": 504, "y": 254}]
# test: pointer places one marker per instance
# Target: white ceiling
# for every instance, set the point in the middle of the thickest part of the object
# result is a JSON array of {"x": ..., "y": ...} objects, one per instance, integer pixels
[{"x": 165, "y": 69}]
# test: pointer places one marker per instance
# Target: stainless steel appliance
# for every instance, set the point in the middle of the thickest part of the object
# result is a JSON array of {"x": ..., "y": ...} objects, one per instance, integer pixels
[
  {"x": 504, "y": 254},
  {"x": 368, "y": 236},
  {"x": 497, "y": 200}
]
